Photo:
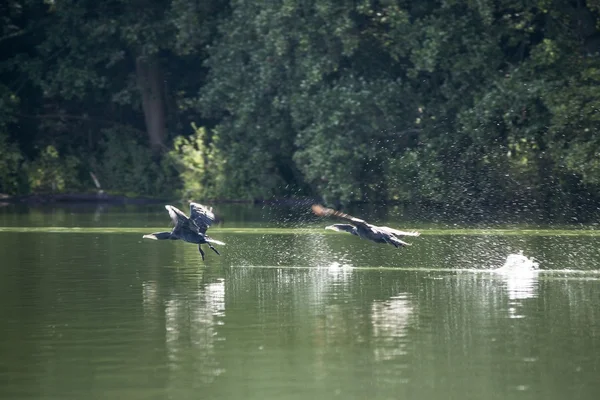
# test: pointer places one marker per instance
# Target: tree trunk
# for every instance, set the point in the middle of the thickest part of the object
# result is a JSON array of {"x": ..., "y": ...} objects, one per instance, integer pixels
[{"x": 149, "y": 79}]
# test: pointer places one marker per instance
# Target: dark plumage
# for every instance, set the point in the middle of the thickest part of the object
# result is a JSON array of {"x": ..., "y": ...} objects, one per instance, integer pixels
[
  {"x": 192, "y": 229},
  {"x": 377, "y": 234}
]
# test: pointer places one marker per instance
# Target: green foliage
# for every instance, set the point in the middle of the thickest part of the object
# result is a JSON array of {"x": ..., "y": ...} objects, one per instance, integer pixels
[
  {"x": 455, "y": 103},
  {"x": 415, "y": 176},
  {"x": 11, "y": 160},
  {"x": 50, "y": 172},
  {"x": 461, "y": 103},
  {"x": 200, "y": 165},
  {"x": 347, "y": 133},
  {"x": 124, "y": 166},
  {"x": 285, "y": 123}
]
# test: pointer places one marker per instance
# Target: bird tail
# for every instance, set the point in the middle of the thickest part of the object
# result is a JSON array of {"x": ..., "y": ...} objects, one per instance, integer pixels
[
  {"x": 396, "y": 232},
  {"x": 397, "y": 242},
  {"x": 214, "y": 241}
]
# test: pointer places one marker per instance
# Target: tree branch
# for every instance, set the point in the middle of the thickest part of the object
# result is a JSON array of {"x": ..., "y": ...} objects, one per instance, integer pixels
[{"x": 13, "y": 35}]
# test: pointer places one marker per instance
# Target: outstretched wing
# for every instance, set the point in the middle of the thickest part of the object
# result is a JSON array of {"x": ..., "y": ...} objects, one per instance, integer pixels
[
  {"x": 398, "y": 233},
  {"x": 328, "y": 212},
  {"x": 202, "y": 216},
  {"x": 342, "y": 228},
  {"x": 177, "y": 216}
]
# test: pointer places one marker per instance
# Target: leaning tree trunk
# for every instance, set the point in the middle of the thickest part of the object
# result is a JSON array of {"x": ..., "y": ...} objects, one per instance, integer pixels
[{"x": 150, "y": 84}]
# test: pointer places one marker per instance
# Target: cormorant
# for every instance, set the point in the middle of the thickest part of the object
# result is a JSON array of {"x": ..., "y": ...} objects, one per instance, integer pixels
[
  {"x": 192, "y": 229},
  {"x": 360, "y": 228}
]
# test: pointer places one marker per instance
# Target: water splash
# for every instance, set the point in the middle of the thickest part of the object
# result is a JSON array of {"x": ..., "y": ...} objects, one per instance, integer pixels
[
  {"x": 520, "y": 274},
  {"x": 518, "y": 263},
  {"x": 339, "y": 271}
]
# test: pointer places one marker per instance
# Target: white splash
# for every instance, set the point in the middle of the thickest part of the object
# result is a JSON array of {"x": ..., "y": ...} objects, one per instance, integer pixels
[
  {"x": 520, "y": 274},
  {"x": 518, "y": 263},
  {"x": 339, "y": 271}
]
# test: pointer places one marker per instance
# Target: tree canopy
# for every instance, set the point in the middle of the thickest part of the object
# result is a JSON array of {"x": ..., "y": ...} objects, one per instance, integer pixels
[{"x": 487, "y": 103}]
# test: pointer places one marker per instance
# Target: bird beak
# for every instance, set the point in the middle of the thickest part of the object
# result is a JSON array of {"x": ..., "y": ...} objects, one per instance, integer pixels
[
  {"x": 149, "y": 237},
  {"x": 331, "y": 227}
]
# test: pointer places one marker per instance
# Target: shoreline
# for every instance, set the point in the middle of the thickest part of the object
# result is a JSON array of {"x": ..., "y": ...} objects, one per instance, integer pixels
[{"x": 104, "y": 198}]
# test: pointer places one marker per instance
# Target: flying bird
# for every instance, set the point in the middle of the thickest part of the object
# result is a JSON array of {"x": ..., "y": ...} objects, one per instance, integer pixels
[
  {"x": 192, "y": 229},
  {"x": 364, "y": 230}
]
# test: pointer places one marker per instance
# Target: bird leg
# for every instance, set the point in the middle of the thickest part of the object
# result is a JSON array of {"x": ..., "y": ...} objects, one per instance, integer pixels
[
  {"x": 201, "y": 252},
  {"x": 215, "y": 250}
]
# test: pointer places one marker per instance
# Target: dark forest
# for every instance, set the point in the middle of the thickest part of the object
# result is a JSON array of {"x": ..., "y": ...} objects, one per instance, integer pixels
[{"x": 487, "y": 104}]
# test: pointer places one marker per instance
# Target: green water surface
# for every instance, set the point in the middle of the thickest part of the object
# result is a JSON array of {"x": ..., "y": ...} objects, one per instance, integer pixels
[{"x": 89, "y": 310}]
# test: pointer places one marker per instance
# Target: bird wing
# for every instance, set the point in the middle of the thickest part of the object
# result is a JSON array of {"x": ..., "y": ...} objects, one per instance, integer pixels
[
  {"x": 177, "y": 216},
  {"x": 341, "y": 227},
  {"x": 202, "y": 216},
  {"x": 327, "y": 212},
  {"x": 396, "y": 232}
]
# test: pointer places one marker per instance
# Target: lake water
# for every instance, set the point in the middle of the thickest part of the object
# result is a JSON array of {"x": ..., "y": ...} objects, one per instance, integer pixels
[{"x": 89, "y": 310}]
